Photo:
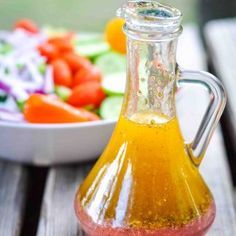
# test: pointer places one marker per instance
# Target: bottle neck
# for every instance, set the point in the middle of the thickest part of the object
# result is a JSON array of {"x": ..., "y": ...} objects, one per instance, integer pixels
[{"x": 151, "y": 77}]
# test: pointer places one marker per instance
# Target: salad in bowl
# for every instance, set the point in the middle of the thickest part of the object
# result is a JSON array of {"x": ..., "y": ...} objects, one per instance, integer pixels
[{"x": 60, "y": 92}]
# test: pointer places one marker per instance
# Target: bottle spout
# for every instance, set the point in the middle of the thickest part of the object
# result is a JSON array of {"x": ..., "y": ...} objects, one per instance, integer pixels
[{"x": 150, "y": 16}]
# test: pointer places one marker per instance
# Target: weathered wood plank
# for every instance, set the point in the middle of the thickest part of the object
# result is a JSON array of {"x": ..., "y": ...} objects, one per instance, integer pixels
[
  {"x": 220, "y": 37},
  {"x": 57, "y": 215},
  {"x": 12, "y": 198},
  {"x": 219, "y": 181}
]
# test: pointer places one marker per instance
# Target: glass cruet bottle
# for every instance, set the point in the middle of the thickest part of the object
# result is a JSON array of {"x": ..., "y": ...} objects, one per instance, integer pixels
[{"x": 147, "y": 181}]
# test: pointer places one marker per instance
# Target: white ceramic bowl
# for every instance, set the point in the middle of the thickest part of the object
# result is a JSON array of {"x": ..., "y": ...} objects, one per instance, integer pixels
[{"x": 46, "y": 144}]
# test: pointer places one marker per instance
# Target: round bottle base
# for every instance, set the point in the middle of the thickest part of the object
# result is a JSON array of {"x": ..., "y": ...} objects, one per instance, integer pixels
[{"x": 197, "y": 227}]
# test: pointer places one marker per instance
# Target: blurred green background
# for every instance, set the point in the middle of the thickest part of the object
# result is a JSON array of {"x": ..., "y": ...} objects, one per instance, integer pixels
[{"x": 75, "y": 14}]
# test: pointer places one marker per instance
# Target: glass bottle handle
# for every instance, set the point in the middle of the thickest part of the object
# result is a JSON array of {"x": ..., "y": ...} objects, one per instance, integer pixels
[{"x": 197, "y": 148}]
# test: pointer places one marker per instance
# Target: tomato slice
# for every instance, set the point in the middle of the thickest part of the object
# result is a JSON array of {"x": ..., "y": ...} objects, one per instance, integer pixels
[
  {"x": 61, "y": 73},
  {"x": 49, "y": 51},
  {"x": 27, "y": 25},
  {"x": 86, "y": 74},
  {"x": 76, "y": 62},
  {"x": 63, "y": 44},
  {"x": 87, "y": 94}
]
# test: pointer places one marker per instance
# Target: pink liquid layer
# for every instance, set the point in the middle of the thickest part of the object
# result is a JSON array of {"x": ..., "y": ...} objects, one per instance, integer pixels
[{"x": 198, "y": 227}]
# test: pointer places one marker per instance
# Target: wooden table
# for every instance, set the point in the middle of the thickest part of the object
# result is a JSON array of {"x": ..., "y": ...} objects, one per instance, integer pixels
[{"x": 39, "y": 201}]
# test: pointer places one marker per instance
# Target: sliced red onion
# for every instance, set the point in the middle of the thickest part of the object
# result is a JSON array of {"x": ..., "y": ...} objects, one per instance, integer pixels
[
  {"x": 4, "y": 35},
  {"x": 19, "y": 94},
  {"x": 6, "y": 115},
  {"x": 19, "y": 71},
  {"x": 48, "y": 86},
  {"x": 21, "y": 39},
  {"x": 5, "y": 87},
  {"x": 9, "y": 105},
  {"x": 14, "y": 90}
]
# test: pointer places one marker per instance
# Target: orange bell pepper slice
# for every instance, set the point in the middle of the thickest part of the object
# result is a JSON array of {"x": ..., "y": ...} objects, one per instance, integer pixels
[{"x": 45, "y": 109}]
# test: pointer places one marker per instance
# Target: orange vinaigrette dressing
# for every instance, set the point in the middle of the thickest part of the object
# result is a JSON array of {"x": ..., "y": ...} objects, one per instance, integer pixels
[{"x": 145, "y": 180}]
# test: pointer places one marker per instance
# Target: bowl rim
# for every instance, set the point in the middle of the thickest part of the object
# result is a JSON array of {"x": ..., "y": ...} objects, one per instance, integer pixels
[{"x": 53, "y": 126}]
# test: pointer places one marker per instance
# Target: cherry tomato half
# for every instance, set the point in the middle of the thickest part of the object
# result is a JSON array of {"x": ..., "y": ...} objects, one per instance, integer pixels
[
  {"x": 87, "y": 94},
  {"x": 61, "y": 73},
  {"x": 27, "y": 25}
]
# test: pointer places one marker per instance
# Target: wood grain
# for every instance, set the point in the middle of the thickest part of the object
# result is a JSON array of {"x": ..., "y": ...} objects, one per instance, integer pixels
[
  {"x": 12, "y": 195},
  {"x": 57, "y": 214},
  {"x": 216, "y": 173}
]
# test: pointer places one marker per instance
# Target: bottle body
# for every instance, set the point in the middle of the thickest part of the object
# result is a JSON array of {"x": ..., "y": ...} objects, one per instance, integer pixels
[{"x": 145, "y": 184}]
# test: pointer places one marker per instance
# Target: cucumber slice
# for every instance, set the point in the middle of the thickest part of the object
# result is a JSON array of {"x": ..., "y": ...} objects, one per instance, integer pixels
[
  {"x": 114, "y": 84},
  {"x": 92, "y": 49},
  {"x": 62, "y": 92},
  {"x": 111, "y": 107},
  {"x": 91, "y": 44},
  {"x": 85, "y": 38},
  {"x": 111, "y": 62}
]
